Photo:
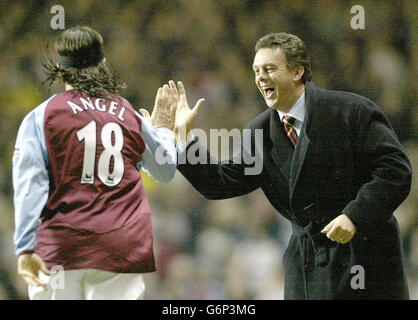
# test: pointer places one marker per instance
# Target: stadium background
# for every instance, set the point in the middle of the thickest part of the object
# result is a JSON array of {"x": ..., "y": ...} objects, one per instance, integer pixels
[{"x": 229, "y": 249}]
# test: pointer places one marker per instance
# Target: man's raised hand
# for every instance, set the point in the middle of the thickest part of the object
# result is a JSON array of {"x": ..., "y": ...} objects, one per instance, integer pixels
[{"x": 184, "y": 115}]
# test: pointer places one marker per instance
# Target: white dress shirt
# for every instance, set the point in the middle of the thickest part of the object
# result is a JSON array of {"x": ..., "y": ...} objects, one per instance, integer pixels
[{"x": 298, "y": 111}]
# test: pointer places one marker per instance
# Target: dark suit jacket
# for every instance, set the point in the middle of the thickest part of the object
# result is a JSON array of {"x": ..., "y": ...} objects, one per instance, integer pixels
[{"x": 347, "y": 160}]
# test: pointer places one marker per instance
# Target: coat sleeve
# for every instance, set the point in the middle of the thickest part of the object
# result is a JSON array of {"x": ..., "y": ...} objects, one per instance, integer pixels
[
  {"x": 236, "y": 176},
  {"x": 383, "y": 161}
]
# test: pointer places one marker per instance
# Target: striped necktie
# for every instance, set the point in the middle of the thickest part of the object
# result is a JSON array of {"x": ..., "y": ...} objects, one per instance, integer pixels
[{"x": 288, "y": 122}]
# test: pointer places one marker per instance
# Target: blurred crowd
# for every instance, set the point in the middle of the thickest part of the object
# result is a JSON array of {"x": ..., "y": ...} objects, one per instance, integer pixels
[{"x": 229, "y": 249}]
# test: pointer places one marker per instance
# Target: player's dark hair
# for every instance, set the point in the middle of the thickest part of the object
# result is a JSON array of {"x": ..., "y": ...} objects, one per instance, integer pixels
[
  {"x": 293, "y": 48},
  {"x": 81, "y": 64}
]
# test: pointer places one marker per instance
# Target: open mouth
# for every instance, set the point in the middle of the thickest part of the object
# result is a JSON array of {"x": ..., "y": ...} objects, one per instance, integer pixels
[{"x": 268, "y": 92}]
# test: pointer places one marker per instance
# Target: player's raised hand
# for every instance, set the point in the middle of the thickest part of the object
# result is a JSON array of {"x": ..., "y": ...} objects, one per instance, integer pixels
[
  {"x": 341, "y": 229},
  {"x": 28, "y": 267},
  {"x": 164, "y": 111},
  {"x": 184, "y": 115}
]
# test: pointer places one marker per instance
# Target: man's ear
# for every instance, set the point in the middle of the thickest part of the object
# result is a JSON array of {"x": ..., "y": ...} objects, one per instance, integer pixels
[
  {"x": 104, "y": 60},
  {"x": 298, "y": 72}
]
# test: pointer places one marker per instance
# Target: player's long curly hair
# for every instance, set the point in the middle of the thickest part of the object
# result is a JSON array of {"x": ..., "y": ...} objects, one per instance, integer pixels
[{"x": 81, "y": 63}]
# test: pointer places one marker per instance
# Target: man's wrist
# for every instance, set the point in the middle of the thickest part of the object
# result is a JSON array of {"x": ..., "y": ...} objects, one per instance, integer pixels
[
  {"x": 158, "y": 125},
  {"x": 164, "y": 126}
]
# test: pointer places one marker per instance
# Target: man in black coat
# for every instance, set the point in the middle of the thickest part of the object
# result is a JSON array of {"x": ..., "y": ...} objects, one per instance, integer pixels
[{"x": 331, "y": 164}]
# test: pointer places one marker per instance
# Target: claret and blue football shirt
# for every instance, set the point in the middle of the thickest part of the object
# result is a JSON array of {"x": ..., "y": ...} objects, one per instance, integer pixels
[{"x": 78, "y": 194}]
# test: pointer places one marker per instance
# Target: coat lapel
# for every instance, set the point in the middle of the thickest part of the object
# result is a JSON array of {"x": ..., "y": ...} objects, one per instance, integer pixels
[
  {"x": 298, "y": 158},
  {"x": 302, "y": 146}
]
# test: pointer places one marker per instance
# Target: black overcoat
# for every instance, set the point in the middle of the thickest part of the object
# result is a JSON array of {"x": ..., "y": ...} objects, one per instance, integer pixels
[{"x": 347, "y": 160}]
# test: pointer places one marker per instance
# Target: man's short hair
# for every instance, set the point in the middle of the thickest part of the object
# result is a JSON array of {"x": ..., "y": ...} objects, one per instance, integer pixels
[{"x": 293, "y": 48}]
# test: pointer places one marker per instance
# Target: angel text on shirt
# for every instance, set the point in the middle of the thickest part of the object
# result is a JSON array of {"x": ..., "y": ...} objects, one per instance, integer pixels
[{"x": 112, "y": 108}]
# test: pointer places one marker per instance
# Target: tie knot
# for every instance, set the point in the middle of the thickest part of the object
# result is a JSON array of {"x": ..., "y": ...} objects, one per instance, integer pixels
[{"x": 289, "y": 120}]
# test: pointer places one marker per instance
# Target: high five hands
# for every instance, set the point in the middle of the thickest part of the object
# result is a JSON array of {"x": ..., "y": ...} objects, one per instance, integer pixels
[{"x": 171, "y": 110}]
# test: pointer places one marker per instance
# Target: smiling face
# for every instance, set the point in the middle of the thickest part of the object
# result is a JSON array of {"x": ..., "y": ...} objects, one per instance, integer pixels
[{"x": 279, "y": 86}]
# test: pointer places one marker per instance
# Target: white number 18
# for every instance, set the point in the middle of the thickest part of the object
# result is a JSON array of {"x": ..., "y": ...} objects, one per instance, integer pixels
[{"x": 88, "y": 134}]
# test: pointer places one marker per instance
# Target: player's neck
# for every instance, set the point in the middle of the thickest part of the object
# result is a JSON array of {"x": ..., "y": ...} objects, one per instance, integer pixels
[{"x": 68, "y": 87}]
